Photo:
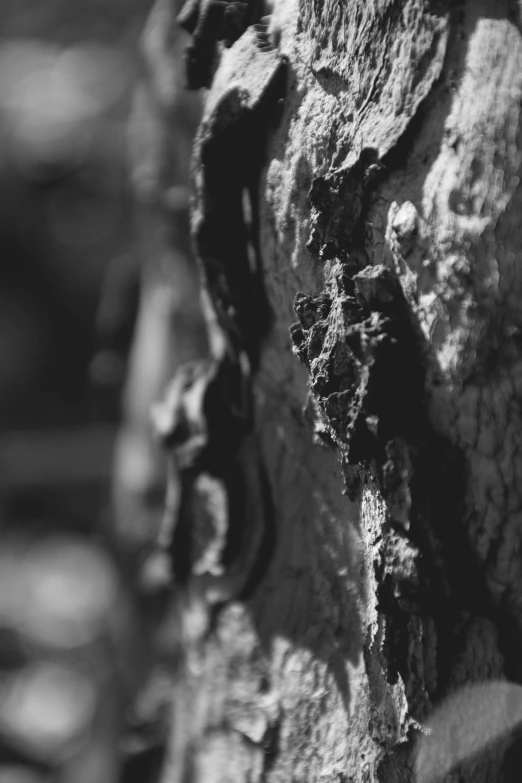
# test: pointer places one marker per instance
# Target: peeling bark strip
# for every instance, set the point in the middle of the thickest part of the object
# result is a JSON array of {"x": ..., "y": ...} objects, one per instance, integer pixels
[
  {"x": 384, "y": 193},
  {"x": 209, "y": 22},
  {"x": 207, "y": 419}
]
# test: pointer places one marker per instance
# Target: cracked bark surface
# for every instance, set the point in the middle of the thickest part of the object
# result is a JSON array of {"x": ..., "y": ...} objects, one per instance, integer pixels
[{"x": 343, "y": 517}]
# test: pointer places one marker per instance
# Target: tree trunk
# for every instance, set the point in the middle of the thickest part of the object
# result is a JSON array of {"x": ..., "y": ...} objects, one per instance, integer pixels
[{"x": 343, "y": 513}]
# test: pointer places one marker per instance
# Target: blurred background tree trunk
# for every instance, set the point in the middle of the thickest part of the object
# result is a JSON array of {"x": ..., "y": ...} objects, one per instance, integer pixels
[
  {"x": 99, "y": 305},
  {"x": 343, "y": 511}
]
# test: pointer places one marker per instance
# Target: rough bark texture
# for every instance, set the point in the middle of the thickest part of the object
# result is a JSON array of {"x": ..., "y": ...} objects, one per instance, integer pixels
[{"x": 343, "y": 513}]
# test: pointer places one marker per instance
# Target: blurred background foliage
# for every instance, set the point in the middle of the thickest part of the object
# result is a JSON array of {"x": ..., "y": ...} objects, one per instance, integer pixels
[{"x": 98, "y": 305}]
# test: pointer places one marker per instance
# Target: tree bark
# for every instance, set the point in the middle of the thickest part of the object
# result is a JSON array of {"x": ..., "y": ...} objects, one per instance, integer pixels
[{"x": 343, "y": 514}]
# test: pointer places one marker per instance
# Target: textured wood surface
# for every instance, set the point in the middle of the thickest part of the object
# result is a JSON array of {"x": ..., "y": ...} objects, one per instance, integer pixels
[{"x": 388, "y": 203}]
